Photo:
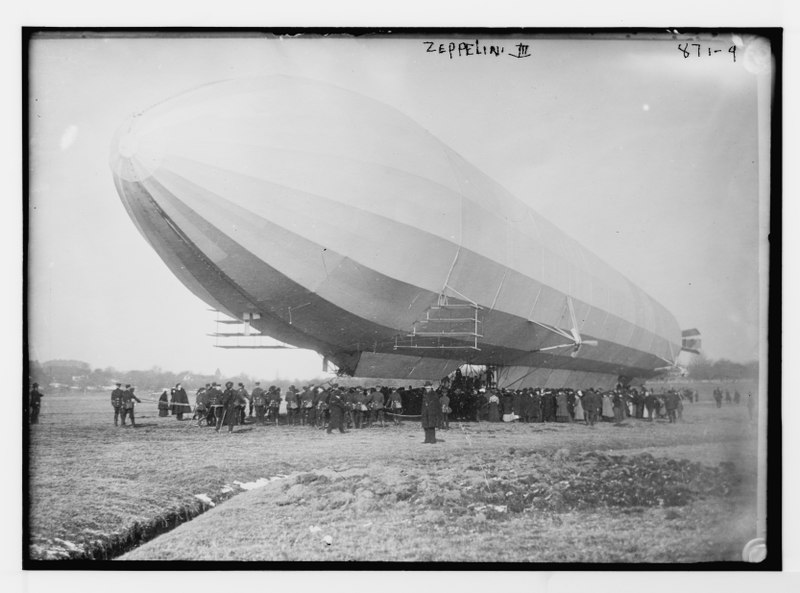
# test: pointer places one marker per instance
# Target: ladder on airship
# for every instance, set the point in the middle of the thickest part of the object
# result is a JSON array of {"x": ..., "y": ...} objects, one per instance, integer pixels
[
  {"x": 450, "y": 324},
  {"x": 243, "y": 337}
]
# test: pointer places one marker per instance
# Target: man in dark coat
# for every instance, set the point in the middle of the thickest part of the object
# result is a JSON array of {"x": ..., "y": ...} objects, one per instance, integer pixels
[
  {"x": 590, "y": 406},
  {"x": 116, "y": 403},
  {"x": 127, "y": 405},
  {"x": 336, "y": 408},
  {"x": 180, "y": 401},
  {"x": 536, "y": 406},
  {"x": 671, "y": 400},
  {"x": 232, "y": 404},
  {"x": 375, "y": 406},
  {"x": 214, "y": 404},
  {"x": 259, "y": 402},
  {"x": 307, "y": 406},
  {"x": 650, "y": 404},
  {"x": 431, "y": 409},
  {"x": 244, "y": 397},
  {"x": 274, "y": 403},
  {"x": 548, "y": 406},
  {"x": 35, "y": 402}
]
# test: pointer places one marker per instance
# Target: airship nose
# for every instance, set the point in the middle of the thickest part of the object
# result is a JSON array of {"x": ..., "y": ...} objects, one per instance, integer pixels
[{"x": 134, "y": 153}]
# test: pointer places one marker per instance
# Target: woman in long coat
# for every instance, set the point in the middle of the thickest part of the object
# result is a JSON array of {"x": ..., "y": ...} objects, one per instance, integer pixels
[
  {"x": 608, "y": 407},
  {"x": 180, "y": 401},
  {"x": 163, "y": 404},
  {"x": 579, "y": 415},
  {"x": 431, "y": 409},
  {"x": 562, "y": 411}
]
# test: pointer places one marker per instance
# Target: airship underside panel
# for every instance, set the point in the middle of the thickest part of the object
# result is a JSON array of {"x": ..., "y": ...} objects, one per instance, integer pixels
[
  {"x": 273, "y": 242},
  {"x": 335, "y": 329},
  {"x": 271, "y": 293}
]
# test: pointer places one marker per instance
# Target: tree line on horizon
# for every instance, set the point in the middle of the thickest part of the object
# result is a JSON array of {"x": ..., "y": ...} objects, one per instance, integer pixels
[
  {"x": 706, "y": 369},
  {"x": 78, "y": 375}
]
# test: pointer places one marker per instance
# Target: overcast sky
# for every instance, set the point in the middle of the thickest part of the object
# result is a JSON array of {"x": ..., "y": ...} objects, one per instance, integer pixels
[{"x": 647, "y": 157}]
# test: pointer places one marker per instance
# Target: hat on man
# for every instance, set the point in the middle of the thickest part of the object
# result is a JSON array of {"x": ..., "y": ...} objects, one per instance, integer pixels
[{"x": 229, "y": 384}]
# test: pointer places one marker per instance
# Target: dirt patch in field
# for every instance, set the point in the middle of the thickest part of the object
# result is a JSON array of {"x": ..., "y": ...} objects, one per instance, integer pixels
[{"x": 396, "y": 512}]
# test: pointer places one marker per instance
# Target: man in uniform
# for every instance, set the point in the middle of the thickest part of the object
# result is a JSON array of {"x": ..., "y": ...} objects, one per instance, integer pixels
[
  {"x": 259, "y": 402},
  {"x": 359, "y": 408},
  {"x": 375, "y": 405},
  {"x": 274, "y": 403},
  {"x": 336, "y": 407},
  {"x": 116, "y": 403},
  {"x": 127, "y": 405},
  {"x": 444, "y": 418},
  {"x": 590, "y": 407},
  {"x": 214, "y": 404},
  {"x": 306, "y": 406},
  {"x": 232, "y": 403},
  {"x": 34, "y": 403},
  {"x": 671, "y": 405},
  {"x": 201, "y": 404},
  {"x": 244, "y": 397},
  {"x": 650, "y": 404},
  {"x": 431, "y": 409},
  {"x": 321, "y": 405},
  {"x": 292, "y": 406},
  {"x": 349, "y": 404},
  {"x": 395, "y": 405}
]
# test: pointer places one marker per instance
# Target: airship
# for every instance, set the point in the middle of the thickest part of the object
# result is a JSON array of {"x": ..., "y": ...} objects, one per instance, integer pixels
[{"x": 331, "y": 221}]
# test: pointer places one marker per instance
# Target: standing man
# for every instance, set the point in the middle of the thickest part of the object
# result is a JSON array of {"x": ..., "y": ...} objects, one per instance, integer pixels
[
  {"x": 618, "y": 404},
  {"x": 259, "y": 402},
  {"x": 34, "y": 403},
  {"x": 359, "y": 408},
  {"x": 376, "y": 403},
  {"x": 306, "y": 405},
  {"x": 231, "y": 400},
  {"x": 292, "y": 405},
  {"x": 321, "y": 396},
  {"x": 444, "y": 401},
  {"x": 274, "y": 403},
  {"x": 430, "y": 412},
  {"x": 116, "y": 403},
  {"x": 243, "y": 398},
  {"x": 215, "y": 404},
  {"x": 671, "y": 405},
  {"x": 127, "y": 405},
  {"x": 336, "y": 407},
  {"x": 590, "y": 407},
  {"x": 396, "y": 405}
]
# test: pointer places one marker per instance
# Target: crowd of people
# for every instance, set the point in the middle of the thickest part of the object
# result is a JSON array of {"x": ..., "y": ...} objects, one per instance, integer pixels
[{"x": 331, "y": 407}]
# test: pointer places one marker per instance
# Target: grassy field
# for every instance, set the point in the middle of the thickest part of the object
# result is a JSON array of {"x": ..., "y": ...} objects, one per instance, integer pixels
[{"x": 487, "y": 492}]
